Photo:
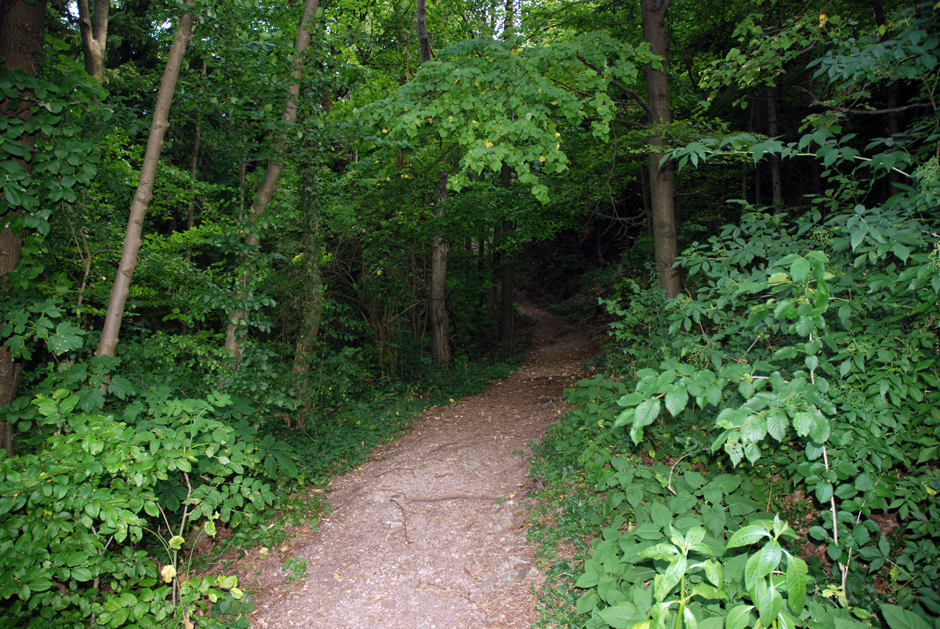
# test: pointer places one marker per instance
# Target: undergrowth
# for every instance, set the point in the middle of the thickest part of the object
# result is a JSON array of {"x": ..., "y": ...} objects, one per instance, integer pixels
[{"x": 755, "y": 460}]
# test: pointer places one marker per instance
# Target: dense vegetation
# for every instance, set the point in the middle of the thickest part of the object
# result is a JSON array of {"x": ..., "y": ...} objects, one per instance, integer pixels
[{"x": 244, "y": 243}]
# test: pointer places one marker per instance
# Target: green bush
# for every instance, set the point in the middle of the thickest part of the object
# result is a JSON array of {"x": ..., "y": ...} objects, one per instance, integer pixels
[{"x": 94, "y": 523}]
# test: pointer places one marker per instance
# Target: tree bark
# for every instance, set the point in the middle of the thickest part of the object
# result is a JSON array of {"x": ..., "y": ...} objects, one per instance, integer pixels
[
  {"x": 313, "y": 288},
  {"x": 662, "y": 196},
  {"x": 776, "y": 181},
  {"x": 891, "y": 96},
  {"x": 440, "y": 322},
  {"x": 508, "y": 20},
  {"x": 421, "y": 26},
  {"x": 110, "y": 333},
  {"x": 22, "y": 31},
  {"x": 193, "y": 171},
  {"x": 94, "y": 33},
  {"x": 496, "y": 264},
  {"x": 273, "y": 171},
  {"x": 506, "y": 318}
]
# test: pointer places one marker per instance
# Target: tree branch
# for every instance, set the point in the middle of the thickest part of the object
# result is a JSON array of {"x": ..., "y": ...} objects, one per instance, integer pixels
[{"x": 623, "y": 88}]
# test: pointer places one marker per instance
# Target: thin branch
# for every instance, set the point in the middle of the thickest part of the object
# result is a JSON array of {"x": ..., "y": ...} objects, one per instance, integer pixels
[
  {"x": 439, "y": 159},
  {"x": 573, "y": 89},
  {"x": 618, "y": 120},
  {"x": 623, "y": 88}
]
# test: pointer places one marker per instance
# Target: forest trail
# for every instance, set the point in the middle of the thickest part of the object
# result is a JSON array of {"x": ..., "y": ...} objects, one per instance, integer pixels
[{"x": 429, "y": 535}]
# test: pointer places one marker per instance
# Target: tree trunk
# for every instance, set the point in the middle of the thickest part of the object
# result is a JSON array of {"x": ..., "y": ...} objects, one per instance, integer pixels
[
  {"x": 193, "y": 171},
  {"x": 440, "y": 322},
  {"x": 776, "y": 181},
  {"x": 506, "y": 319},
  {"x": 506, "y": 305},
  {"x": 508, "y": 20},
  {"x": 891, "y": 95},
  {"x": 94, "y": 32},
  {"x": 421, "y": 26},
  {"x": 273, "y": 171},
  {"x": 662, "y": 195},
  {"x": 496, "y": 264},
  {"x": 110, "y": 333},
  {"x": 313, "y": 288},
  {"x": 22, "y": 31}
]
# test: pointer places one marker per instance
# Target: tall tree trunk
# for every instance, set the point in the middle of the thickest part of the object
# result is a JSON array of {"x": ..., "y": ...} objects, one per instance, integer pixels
[
  {"x": 440, "y": 322},
  {"x": 776, "y": 180},
  {"x": 508, "y": 20},
  {"x": 273, "y": 171},
  {"x": 110, "y": 333},
  {"x": 193, "y": 171},
  {"x": 94, "y": 32},
  {"x": 506, "y": 272},
  {"x": 312, "y": 300},
  {"x": 891, "y": 94},
  {"x": 421, "y": 26},
  {"x": 662, "y": 196},
  {"x": 22, "y": 30},
  {"x": 648, "y": 213},
  {"x": 506, "y": 319},
  {"x": 496, "y": 265}
]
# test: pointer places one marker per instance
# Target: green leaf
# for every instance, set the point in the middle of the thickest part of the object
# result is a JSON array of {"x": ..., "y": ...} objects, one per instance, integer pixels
[
  {"x": 777, "y": 424},
  {"x": 819, "y": 533},
  {"x": 799, "y": 270},
  {"x": 681, "y": 503},
  {"x": 739, "y": 617},
  {"x": 663, "y": 584},
  {"x": 694, "y": 479},
  {"x": 768, "y": 559},
  {"x": 884, "y": 546},
  {"x": 587, "y": 580},
  {"x": 861, "y": 534},
  {"x": 647, "y": 412},
  {"x": 803, "y": 422},
  {"x": 663, "y": 551},
  {"x": 769, "y": 602},
  {"x": 713, "y": 572},
  {"x": 620, "y": 616},
  {"x": 796, "y": 583},
  {"x": 660, "y": 514},
  {"x": 587, "y": 602},
  {"x": 747, "y": 535},
  {"x": 899, "y": 618},
  {"x": 626, "y": 417},
  {"x": 676, "y": 400},
  {"x": 864, "y": 481}
]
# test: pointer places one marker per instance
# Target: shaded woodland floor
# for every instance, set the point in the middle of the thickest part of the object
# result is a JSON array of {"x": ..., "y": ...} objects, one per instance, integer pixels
[{"x": 429, "y": 533}]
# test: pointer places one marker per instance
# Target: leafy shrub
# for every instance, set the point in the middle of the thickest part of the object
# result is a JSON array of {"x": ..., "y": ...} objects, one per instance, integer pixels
[{"x": 75, "y": 513}]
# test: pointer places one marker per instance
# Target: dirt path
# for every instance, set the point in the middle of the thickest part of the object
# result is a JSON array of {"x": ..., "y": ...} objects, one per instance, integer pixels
[{"x": 428, "y": 534}]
